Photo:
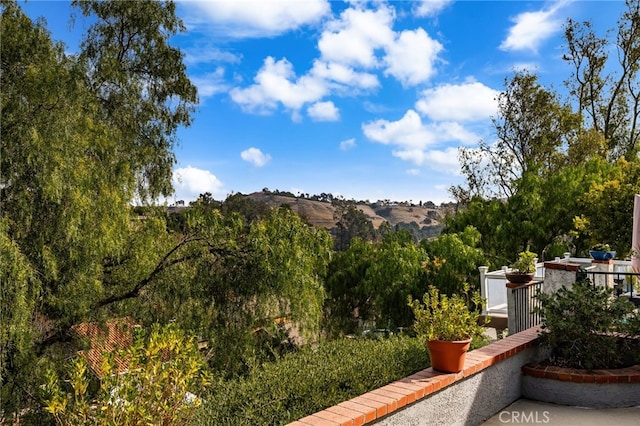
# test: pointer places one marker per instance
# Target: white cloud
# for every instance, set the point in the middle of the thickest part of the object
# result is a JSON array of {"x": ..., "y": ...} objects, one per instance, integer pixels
[
  {"x": 413, "y": 172},
  {"x": 324, "y": 111},
  {"x": 532, "y": 28},
  {"x": 411, "y": 57},
  {"x": 211, "y": 83},
  {"x": 412, "y": 139},
  {"x": 189, "y": 182},
  {"x": 256, "y": 18},
  {"x": 351, "y": 47},
  {"x": 255, "y": 157},
  {"x": 207, "y": 54},
  {"x": 344, "y": 74},
  {"x": 470, "y": 101},
  {"x": 353, "y": 39},
  {"x": 408, "y": 132},
  {"x": 347, "y": 144},
  {"x": 445, "y": 160},
  {"x": 430, "y": 7},
  {"x": 276, "y": 83}
]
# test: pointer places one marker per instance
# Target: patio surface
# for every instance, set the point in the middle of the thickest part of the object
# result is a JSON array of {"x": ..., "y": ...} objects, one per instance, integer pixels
[{"x": 528, "y": 412}]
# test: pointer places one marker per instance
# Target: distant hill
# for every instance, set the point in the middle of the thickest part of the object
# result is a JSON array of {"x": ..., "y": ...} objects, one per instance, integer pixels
[{"x": 423, "y": 221}]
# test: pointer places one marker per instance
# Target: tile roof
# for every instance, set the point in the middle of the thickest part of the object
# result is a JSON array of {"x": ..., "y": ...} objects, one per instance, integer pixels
[{"x": 106, "y": 337}]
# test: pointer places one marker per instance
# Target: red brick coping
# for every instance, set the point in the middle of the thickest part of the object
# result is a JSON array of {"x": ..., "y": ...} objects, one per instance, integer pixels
[
  {"x": 619, "y": 375},
  {"x": 382, "y": 401}
]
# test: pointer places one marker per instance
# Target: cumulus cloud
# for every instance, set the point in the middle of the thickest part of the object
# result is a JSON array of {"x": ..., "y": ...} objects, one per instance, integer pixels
[
  {"x": 411, "y": 57},
  {"x": 353, "y": 47},
  {"x": 189, "y": 182},
  {"x": 532, "y": 28},
  {"x": 276, "y": 83},
  {"x": 353, "y": 38},
  {"x": 430, "y": 7},
  {"x": 445, "y": 160},
  {"x": 415, "y": 141},
  {"x": 347, "y": 144},
  {"x": 323, "y": 111},
  {"x": 255, "y": 157},
  {"x": 469, "y": 101},
  {"x": 256, "y": 18}
]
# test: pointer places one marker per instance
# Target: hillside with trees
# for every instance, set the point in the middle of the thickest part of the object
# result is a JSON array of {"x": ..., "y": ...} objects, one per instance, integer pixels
[
  {"x": 326, "y": 211},
  {"x": 225, "y": 294}
]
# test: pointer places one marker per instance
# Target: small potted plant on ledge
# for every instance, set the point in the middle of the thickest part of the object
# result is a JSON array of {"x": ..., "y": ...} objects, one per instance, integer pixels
[
  {"x": 602, "y": 252},
  {"x": 523, "y": 270},
  {"x": 448, "y": 324}
]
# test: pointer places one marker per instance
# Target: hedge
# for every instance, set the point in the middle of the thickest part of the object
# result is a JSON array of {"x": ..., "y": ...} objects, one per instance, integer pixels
[{"x": 311, "y": 380}]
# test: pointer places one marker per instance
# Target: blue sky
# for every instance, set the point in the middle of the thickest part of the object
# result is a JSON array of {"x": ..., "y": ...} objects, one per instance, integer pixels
[{"x": 368, "y": 100}]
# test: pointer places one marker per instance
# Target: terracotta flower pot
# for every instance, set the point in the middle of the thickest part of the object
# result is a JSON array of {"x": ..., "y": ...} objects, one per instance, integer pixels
[{"x": 448, "y": 356}]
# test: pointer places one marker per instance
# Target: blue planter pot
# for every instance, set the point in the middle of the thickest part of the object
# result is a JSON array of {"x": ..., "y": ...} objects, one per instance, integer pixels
[{"x": 602, "y": 255}]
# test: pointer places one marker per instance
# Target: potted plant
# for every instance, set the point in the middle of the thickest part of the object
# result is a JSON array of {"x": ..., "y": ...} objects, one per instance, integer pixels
[
  {"x": 523, "y": 269},
  {"x": 448, "y": 324},
  {"x": 602, "y": 252}
]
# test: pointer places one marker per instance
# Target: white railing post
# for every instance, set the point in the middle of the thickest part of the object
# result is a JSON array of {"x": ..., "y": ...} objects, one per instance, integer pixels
[{"x": 484, "y": 290}]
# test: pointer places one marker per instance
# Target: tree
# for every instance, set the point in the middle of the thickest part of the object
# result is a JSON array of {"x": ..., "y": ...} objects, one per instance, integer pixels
[
  {"x": 608, "y": 102},
  {"x": 348, "y": 303},
  {"x": 606, "y": 209},
  {"x": 453, "y": 260},
  {"x": 140, "y": 83},
  {"x": 370, "y": 282},
  {"x": 80, "y": 134},
  {"x": 351, "y": 222},
  {"x": 532, "y": 127}
]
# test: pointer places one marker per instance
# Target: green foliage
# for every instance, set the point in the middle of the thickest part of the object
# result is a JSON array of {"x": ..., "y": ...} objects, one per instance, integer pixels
[
  {"x": 311, "y": 380},
  {"x": 442, "y": 317},
  {"x": 163, "y": 382},
  {"x": 348, "y": 303},
  {"x": 606, "y": 212},
  {"x": 228, "y": 280},
  {"x": 526, "y": 262},
  {"x": 601, "y": 247},
  {"x": 369, "y": 282},
  {"x": 140, "y": 83},
  {"x": 488, "y": 217},
  {"x": 80, "y": 134},
  {"x": 351, "y": 223},
  {"x": 18, "y": 290},
  {"x": 453, "y": 260},
  {"x": 585, "y": 327}
]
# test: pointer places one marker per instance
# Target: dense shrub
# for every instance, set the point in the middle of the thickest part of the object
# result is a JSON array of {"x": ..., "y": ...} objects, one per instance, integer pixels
[
  {"x": 312, "y": 379},
  {"x": 586, "y": 327}
]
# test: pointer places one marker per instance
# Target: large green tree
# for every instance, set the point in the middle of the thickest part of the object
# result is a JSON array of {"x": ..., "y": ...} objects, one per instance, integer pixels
[{"x": 82, "y": 136}]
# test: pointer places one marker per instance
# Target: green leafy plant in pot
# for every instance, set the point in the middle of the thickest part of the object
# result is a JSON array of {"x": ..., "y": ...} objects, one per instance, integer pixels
[
  {"x": 448, "y": 324},
  {"x": 523, "y": 270},
  {"x": 602, "y": 252}
]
